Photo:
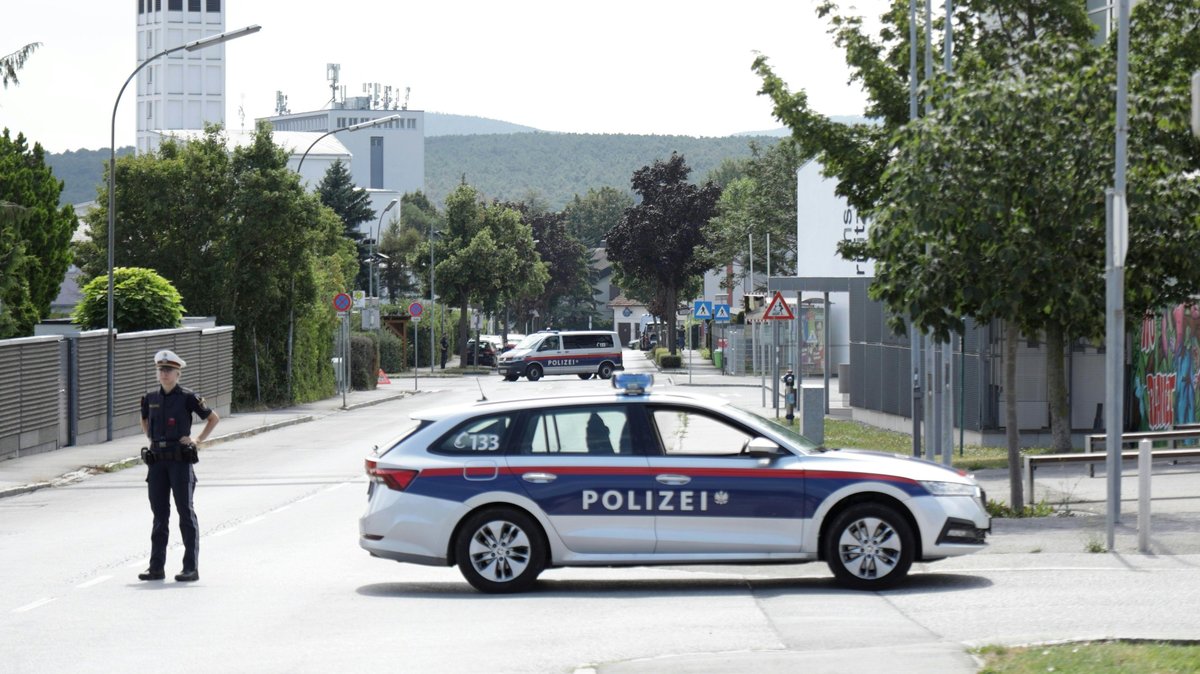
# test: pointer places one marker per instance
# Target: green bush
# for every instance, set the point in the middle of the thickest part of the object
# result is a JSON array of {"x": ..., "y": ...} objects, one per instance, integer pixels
[
  {"x": 364, "y": 362},
  {"x": 391, "y": 352},
  {"x": 142, "y": 300},
  {"x": 669, "y": 362}
]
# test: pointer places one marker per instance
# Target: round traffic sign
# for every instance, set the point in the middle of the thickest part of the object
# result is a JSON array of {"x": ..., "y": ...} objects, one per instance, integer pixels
[
  {"x": 415, "y": 309},
  {"x": 342, "y": 302}
]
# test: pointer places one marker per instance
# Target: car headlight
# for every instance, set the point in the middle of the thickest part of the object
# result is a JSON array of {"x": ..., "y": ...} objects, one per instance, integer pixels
[
  {"x": 951, "y": 488},
  {"x": 514, "y": 359}
]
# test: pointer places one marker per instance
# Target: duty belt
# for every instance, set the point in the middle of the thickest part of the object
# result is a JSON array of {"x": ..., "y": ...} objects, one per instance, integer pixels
[
  {"x": 170, "y": 455},
  {"x": 165, "y": 444}
]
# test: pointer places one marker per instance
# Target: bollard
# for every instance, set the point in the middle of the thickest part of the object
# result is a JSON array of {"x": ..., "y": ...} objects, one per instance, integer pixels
[
  {"x": 1143, "y": 519},
  {"x": 789, "y": 395}
]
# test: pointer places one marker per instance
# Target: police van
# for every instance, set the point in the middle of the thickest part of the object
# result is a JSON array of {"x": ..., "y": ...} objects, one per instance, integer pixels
[{"x": 583, "y": 352}]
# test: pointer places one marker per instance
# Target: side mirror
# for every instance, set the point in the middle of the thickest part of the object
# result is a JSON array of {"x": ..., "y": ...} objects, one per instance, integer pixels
[{"x": 764, "y": 448}]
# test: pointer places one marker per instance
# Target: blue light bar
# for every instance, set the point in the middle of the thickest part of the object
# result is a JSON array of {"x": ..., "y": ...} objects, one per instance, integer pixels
[{"x": 633, "y": 383}]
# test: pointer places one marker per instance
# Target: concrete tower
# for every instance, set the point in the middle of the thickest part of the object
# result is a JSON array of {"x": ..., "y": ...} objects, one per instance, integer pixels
[{"x": 184, "y": 90}]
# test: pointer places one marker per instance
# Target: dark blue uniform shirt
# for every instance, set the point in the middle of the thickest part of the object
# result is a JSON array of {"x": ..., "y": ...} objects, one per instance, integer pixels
[{"x": 170, "y": 414}]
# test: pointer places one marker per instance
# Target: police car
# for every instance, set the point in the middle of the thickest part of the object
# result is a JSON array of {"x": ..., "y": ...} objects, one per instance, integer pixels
[{"x": 507, "y": 489}]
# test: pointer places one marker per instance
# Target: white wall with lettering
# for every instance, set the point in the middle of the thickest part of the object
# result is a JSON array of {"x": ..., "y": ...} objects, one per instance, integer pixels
[{"x": 822, "y": 220}]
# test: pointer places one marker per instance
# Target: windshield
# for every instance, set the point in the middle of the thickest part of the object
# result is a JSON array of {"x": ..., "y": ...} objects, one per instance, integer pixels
[
  {"x": 529, "y": 342},
  {"x": 767, "y": 427}
]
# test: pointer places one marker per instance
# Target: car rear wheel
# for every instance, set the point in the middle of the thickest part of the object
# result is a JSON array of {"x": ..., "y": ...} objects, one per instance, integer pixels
[
  {"x": 500, "y": 550},
  {"x": 534, "y": 372},
  {"x": 606, "y": 370},
  {"x": 869, "y": 547}
]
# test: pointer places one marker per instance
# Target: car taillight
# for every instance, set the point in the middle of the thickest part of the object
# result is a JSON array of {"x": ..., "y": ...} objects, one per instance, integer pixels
[{"x": 394, "y": 478}]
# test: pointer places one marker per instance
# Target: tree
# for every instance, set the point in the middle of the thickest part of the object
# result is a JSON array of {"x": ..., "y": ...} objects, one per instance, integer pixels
[
  {"x": 353, "y": 206},
  {"x": 590, "y": 217},
  {"x": 142, "y": 300},
  {"x": 567, "y": 296},
  {"x": 488, "y": 257},
  {"x": 40, "y": 236},
  {"x": 11, "y": 63},
  {"x": 656, "y": 241},
  {"x": 761, "y": 202},
  {"x": 242, "y": 241},
  {"x": 406, "y": 244}
]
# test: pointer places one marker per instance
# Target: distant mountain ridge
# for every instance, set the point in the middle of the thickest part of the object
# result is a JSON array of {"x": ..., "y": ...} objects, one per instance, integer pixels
[{"x": 502, "y": 160}]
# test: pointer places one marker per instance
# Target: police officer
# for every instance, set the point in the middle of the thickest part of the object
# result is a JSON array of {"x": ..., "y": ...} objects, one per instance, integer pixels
[{"x": 167, "y": 422}]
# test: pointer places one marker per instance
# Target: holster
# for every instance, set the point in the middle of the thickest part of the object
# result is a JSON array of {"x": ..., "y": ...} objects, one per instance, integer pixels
[
  {"x": 190, "y": 453},
  {"x": 148, "y": 457}
]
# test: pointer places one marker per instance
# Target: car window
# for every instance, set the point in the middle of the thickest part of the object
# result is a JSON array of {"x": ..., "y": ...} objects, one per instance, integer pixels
[
  {"x": 688, "y": 432},
  {"x": 579, "y": 431},
  {"x": 482, "y": 435},
  {"x": 550, "y": 344}
]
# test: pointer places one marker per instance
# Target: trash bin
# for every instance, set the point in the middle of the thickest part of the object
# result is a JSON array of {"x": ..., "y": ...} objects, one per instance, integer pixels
[{"x": 718, "y": 358}]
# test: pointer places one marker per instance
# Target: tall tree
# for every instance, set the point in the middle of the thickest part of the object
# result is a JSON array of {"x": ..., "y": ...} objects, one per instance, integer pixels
[
  {"x": 242, "y": 241},
  {"x": 655, "y": 244},
  {"x": 407, "y": 245},
  {"x": 353, "y": 206},
  {"x": 11, "y": 63},
  {"x": 590, "y": 217},
  {"x": 567, "y": 262},
  {"x": 40, "y": 235}
]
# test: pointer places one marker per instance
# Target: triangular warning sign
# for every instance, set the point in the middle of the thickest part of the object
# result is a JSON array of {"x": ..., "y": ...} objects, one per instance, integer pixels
[
  {"x": 383, "y": 378},
  {"x": 778, "y": 309}
]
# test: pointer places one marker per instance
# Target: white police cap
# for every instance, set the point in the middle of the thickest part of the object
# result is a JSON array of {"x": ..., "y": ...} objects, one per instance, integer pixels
[{"x": 168, "y": 358}]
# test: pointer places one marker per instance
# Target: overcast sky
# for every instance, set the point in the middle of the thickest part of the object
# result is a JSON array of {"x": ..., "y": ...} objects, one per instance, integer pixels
[{"x": 619, "y": 66}]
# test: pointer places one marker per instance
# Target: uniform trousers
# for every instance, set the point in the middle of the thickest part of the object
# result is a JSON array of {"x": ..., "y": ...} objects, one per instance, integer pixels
[{"x": 167, "y": 479}]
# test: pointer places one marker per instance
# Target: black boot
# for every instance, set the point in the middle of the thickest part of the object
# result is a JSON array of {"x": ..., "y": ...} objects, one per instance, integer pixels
[
  {"x": 151, "y": 574},
  {"x": 187, "y": 576}
]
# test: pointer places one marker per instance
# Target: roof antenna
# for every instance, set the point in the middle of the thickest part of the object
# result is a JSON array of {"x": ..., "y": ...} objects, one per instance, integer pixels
[{"x": 482, "y": 398}]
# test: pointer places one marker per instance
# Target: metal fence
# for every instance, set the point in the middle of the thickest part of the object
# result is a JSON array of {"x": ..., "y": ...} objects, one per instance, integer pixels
[{"x": 55, "y": 388}]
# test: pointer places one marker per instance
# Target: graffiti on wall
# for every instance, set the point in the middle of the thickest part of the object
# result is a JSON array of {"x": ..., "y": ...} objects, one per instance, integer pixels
[{"x": 1164, "y": 372}]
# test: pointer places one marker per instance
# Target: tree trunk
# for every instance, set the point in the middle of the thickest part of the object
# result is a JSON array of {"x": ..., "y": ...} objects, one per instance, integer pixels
[
  {"x": 1056, "y": 385},
  {"x": 1011, "y": 334},
  {"x": 672, "y": 296}
]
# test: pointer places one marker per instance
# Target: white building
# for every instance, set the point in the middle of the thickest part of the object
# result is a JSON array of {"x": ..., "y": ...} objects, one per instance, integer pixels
[
  {"x": 388, "y": 160},
  {"x": 184, "y": 90}
]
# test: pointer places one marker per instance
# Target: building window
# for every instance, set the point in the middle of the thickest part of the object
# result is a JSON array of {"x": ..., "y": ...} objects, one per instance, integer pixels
[
  {"x": 412, "y": 123},
  {"x": 175, "y": 5},
  {"x": 213, "y": 5},
  {"x": 376, "y": 162},
  {"x": 141, "y": 7},
  {"x": 158, "y": 5},
  {"x": 193, "y": 5}
]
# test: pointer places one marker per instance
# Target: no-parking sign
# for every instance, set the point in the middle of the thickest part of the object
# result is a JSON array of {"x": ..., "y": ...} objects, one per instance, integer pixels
[{"x": 342, "y": 302}]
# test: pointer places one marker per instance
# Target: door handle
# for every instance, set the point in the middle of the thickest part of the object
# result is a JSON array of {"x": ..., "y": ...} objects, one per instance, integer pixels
[
  {"x": 673, "y": 480},
  {"x": 539, "y": 478}
]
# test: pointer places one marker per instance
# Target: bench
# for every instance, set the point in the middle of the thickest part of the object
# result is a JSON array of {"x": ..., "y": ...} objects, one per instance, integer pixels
[{"x": 1092, "y": 458}]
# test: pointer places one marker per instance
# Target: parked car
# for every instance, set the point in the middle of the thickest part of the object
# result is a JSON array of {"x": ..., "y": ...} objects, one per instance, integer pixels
[
  {"x": 506, "y": 489},
  {"x": 486, "y": 356}
]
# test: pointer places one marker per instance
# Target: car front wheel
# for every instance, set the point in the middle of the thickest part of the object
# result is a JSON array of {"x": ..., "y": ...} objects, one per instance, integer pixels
[
  {"x": 500, "y": 550},
  {"x": 869, "y": 547}
]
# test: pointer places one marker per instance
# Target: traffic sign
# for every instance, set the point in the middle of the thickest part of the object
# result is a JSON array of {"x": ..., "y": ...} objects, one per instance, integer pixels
[
  {"x": 778, "y": 309},
  {"x": 415, "y": 309},
  {"x": 342, "y": 302},
  {"x": 721, "y": 313},
  {"x": 702, "y": 310}
]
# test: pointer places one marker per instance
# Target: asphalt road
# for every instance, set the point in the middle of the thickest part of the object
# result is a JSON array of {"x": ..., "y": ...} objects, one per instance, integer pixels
[{"x": 285, "y": 587}]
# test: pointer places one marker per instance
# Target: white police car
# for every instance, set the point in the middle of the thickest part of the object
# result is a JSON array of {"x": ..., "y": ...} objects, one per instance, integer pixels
[{"x": 507, "y": 489}]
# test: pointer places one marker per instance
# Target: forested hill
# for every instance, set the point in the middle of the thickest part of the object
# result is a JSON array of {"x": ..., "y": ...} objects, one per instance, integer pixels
[
  {"x": 507, "y": 166},
  {"x": 557, "y": 166}
]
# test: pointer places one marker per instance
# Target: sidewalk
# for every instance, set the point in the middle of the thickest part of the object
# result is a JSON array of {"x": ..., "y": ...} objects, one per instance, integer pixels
[{"x": 72, "y": 464}]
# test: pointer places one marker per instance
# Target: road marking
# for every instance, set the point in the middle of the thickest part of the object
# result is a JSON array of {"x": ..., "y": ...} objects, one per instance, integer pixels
[
  {"x": 222, "y": 532},
  {"x": 32, "y": 605},
  {"x": 252, "y": 520},
  {"x": 95, "y": 581}
]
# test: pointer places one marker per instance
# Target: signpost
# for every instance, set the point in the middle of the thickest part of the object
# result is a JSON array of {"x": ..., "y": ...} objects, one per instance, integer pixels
[
  {"x": 777, "y": 310},
  {"x": 342, "y": 302}
]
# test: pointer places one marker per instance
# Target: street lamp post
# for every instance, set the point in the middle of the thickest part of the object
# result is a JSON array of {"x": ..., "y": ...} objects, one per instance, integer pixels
[
  {"x": 431, "y": 351},
  {"x": 374, "y": 247},
  {"x": 352, "y": 127},
  {"x": 112, "y": 185}
]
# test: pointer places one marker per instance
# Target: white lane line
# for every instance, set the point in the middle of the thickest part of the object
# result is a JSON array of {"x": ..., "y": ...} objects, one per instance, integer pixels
[
  {"x": 95, "y": 581},
  {"x": 222, "y": 532},
  {"x": 337, "y": 486},
  {"x": 252, "y": 520},
  {"x": 32, "y": 605},
  {"x": 280, "y": 509}
]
